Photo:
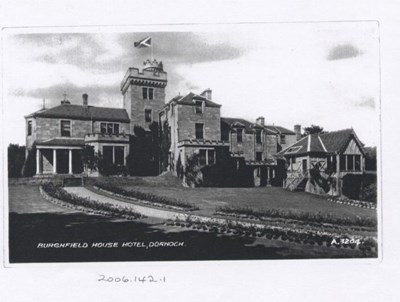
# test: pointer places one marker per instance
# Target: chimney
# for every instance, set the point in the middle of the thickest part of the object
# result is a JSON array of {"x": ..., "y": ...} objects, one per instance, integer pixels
[
  {"x": 260, "y": 121},
  {"x": 207, "y": 94},
  {"x": 85, "y": 100},
  {"x": 297, "y": 130}
]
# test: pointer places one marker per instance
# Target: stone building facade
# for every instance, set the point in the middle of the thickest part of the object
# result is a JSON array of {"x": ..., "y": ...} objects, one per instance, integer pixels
[
  {"x": 195, "y": 126},
  {"x": 58, "y": 135}
]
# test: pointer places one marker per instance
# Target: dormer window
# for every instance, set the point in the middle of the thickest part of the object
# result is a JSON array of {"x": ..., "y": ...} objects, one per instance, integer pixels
[{"x": 199, "y": 107}]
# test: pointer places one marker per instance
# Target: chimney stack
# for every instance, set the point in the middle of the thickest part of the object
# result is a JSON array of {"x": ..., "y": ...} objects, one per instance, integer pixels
[
  {"x": 297, "y": 130},
  {"x": 260, "y": 121},
  {"x": 207, "y": 94},
  {"x": 85, "y": 100}
]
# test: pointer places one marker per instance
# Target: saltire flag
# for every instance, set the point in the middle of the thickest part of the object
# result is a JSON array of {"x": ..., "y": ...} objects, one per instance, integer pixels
[{"x": 146, "y": 42}]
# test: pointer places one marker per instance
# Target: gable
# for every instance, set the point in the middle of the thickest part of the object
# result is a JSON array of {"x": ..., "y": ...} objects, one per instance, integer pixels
[{"x": 352, "y": 148}]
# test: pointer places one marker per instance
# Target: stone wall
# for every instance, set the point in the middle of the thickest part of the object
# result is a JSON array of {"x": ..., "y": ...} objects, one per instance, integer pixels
[
  {"x": 270, "y": 146},
  {"x": 135, "y": 105},
  {"x": 48, "y": 128},
  {"x": 187, "y": 118},
  {"x": 290, "y": 139}
]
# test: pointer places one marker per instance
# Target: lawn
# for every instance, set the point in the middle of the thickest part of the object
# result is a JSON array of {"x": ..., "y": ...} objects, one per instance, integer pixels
[
  {"x": 208, "y": 199},
  {"x": 33, "y": 220}
]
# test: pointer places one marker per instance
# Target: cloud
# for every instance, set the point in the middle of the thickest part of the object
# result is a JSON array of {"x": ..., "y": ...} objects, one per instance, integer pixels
[
  {"x": 366, "y": 102},
  {"x": 99, "y": 95},
  {"x": 344, "y": 51}
]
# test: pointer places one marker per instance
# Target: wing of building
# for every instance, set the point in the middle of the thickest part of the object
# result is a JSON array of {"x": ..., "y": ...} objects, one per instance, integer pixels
[{"x": 318, "y": 162}]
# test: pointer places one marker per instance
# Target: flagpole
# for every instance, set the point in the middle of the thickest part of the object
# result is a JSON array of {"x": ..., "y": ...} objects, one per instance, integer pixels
[{"x": 151, "y": 46}]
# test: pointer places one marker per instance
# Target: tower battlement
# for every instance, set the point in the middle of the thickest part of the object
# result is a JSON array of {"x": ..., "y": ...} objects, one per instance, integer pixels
[
  {"x": 152, "y": 74},
  {"x": 143, "y": 93}
]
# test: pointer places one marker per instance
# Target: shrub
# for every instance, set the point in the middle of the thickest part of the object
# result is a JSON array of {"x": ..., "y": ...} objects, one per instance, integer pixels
[
  {"x": 59, "y": 193},
  {"x": 300, "y": 216}
]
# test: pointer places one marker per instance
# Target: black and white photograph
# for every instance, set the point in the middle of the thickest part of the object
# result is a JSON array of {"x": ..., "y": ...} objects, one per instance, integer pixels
[{"x": 226, "y": 142}]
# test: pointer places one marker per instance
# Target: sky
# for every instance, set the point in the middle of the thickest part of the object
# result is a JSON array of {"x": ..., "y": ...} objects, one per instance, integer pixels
[{"x": 325, "y": 74}]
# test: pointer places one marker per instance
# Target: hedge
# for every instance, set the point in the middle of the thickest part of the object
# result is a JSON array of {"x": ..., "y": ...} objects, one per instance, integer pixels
[
  {"x": 151, "y": 198},
  {"x": 300, "y": 216}
]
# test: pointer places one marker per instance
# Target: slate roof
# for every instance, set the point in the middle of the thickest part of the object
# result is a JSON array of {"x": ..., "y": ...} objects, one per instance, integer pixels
[
  {"x": 62, "y": 142},
  {"x": 80, "y": 112},
  {"x": 248, "y": 126},
  {"x": 280, "y": 130},
  {"x": 329, "y": 142},
  {"x": 188, "y": 100}
]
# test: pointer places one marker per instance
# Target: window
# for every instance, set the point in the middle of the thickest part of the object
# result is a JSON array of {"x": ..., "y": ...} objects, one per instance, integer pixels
[
  {"x": 108, "y": 154},
  {"x": 29, "y": 127},
  {"x": 293, "y": 149},
  {"x": 109, "y": 128},
  {"x": 203, "y": 157},
  {"x": 283, "y": 139},
  {"x": 206, "y": 157},
  {"x": 258, "y": 156},
  {"x": 350, "y": 162},
  {"x": 199, "y": 131},
  {"x": 116, "y": 128},
  {"x": 119, "y": 155},
  {"x": 103, "y": 127},
  {"x": 144, "y": 92},
  {"x": 258, "y": 136},
  {"x": 357, "y": 162},
  {"x": 211, "y": 157},
  {"x": 331, "y": 163},
  {"x": 148, "y": 115},
  {"x": 65, "y": 128},
  {"x": 342, "y": 163},
  {"x": 199, "y": 107},
  {"x": 147, "y": 93},
  {"x": 239, "y": 133}
]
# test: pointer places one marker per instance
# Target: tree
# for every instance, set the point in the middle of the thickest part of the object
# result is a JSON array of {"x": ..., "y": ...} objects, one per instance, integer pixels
[
  {"x": 313, "y": 129},
  {"x": 89, "y": 158},
  {"x": 16, "y": 160},
  {"x": 370, "y": 158},
  {"x": 165, "y": 144},
  {"x": 143, "y": 158}
]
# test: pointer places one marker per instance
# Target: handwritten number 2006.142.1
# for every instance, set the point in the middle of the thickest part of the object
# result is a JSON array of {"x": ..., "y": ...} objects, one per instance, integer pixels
[{"x": 123, "y": 279}]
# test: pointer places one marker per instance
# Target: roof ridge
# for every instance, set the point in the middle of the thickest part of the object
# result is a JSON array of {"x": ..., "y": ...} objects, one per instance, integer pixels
[{"x": 323, "y": 146}]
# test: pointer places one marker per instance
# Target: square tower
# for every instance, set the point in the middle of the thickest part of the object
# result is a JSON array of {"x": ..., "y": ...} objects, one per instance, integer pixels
[{"x": 144, "y": 93}]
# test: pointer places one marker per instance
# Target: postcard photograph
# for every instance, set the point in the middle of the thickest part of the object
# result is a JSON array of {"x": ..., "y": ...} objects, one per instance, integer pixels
[{"x": 222, "y": 142}]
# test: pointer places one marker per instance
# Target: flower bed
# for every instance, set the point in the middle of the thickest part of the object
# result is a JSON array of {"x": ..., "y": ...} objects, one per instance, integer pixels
[
  {"x": 317, "y": 218},
  {"x": 146, "y": 198},
  {"x": 353, "y": 202},
  {"x": 56, "y": 194},
  {"x": 366, "y": 244}
]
